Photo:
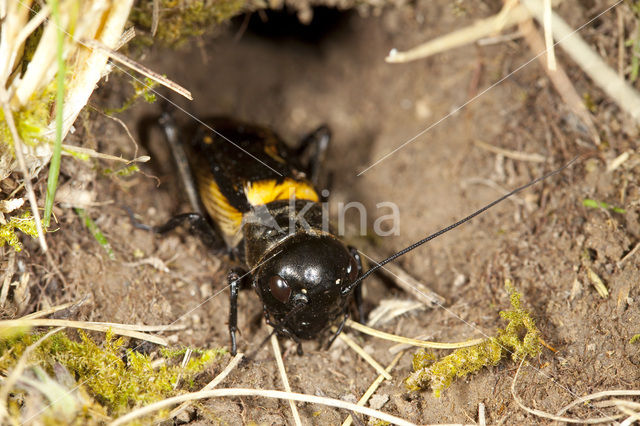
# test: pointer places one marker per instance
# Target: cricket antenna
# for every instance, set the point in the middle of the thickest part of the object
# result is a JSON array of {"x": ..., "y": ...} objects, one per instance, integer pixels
[{"x": 393, "y": 257}]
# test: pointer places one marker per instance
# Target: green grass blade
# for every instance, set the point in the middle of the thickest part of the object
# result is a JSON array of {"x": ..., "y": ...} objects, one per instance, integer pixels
[
  {"x": 96, "y": 232},
  {"x": 594, "y": 204},
  {"x": 54, "y": 166}
]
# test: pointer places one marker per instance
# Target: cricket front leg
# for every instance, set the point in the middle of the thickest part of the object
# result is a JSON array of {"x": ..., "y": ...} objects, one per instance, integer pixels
[{"x": 235, "y": 281}]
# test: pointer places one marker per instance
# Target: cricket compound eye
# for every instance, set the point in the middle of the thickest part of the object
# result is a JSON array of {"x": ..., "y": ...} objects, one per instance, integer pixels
[{"x": 279, "y": 288}]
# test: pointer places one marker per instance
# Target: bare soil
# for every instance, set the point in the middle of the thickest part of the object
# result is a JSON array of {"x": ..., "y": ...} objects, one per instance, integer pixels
[{"x": 542, "y": 239}]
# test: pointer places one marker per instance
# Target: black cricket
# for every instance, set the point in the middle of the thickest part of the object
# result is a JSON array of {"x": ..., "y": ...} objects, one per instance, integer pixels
[{"x": 305, "y": 277}]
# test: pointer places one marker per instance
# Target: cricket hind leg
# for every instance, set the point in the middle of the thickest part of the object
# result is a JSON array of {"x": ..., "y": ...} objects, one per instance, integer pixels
[
  {"x": 172, "y": 135},
  {"x": 176, "y": 138},
  {"x": 198, "y": 225},
  {"x": 312, "y": 150},
  {"x": 197, "y": 221}
]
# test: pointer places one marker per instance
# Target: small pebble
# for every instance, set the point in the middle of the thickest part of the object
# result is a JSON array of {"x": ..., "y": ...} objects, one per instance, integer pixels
[
  {"x": 183, "y": 417},
  {"x": 377, "y": 401},
  {"x": 205, "y": 291},
  {"x": 349, "y": 398},
  {"x": 459, "y": 280}
]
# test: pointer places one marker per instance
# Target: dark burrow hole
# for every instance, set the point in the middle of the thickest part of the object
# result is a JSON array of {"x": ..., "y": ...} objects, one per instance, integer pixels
[{"x": 284, "y": 25}]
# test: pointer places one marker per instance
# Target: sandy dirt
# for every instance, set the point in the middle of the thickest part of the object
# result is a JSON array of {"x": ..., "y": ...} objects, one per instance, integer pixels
[{"x": 543, "y": 239}]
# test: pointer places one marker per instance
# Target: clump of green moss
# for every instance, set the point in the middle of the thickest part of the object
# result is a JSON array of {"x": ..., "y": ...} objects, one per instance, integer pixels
[
  {"x": 24, "y": 223},
  {"x": 182, "y": 19},
  {"x": 141, "y": 89},
  {"x": 520, "y": 338},
  {"x": 31, "y": 120},
  {"x": 116, "y": 378}
]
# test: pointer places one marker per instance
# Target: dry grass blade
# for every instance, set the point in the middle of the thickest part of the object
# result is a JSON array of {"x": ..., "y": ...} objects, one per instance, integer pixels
[
  {"x": 120, "y": 329},
  {"x": 613, "y": 403},
  {"x": 375, "y": 364},
  {"x": 499, "y": 39},
  {"x": 32, "y": 25},
  {"x": 559, "y": 79},
  {"x": 633, "y": 416},
  {"x": 545, "y": 415},
  {"x": 233, "y": 392},
  {"x": 155, "y": 17},
  {"x": 8, "y": 274},
  {"x": 285, "y": 380},
  {"x": 51, "y": 310},
  {"x": 71, "y": 150},
  {"x": 374, "y": 386},
  {"x": 597, "y": 395},
  {"x": 629, "y": 408},
  {"x": 100, "y": 20},
  {"x": 412, "y": 286},
  {"x": 95, "y": 62},
  {"x": 397, "y": 348},
  {"x": 27, "y": 89},
  {"x": 15, "y": 374},
  {"x": 413, "y": 342},
  {"x": 389, "y": 309},
  {"x": 140, "y": 327},
  {"x": 621, "y": 41},
  {"x": 14, "y": 28},
  {"x": 618, "y": 161},
  {"x": 212, "y": 384},
  {"x": 185, "y": 359},
  {"x": 126, "y": 37},
  {"x": 94, "y": 44},
  {"x": 626, "y": 96},
  {"x": 510, "y": 15},
  {"x": 42, "y": 67},
  {"x": 548, "y": 35}
]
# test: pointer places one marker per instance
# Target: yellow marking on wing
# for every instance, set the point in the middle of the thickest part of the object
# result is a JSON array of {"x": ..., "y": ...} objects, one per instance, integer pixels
[
  {"x": 228, "y": 218},
  {"x": 266, "y": 191}
]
